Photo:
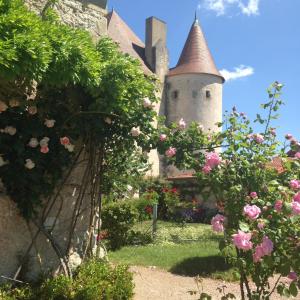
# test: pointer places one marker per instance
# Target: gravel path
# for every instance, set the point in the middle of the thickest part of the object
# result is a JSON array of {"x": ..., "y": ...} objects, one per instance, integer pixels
[{"x": 155, "y": 284}]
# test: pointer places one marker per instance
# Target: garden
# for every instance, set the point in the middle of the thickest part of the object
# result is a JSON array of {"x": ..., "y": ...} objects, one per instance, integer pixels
[{"x": 64, "y": 100}]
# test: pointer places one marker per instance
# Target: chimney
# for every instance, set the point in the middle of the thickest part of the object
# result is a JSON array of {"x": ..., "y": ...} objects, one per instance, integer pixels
[{"x": 156, "y": 37}]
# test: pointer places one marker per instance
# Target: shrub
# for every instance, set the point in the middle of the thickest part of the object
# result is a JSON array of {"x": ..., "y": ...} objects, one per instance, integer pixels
[
  {"x": 118, "y": 219},
  {"x": 94, "y": 280}
]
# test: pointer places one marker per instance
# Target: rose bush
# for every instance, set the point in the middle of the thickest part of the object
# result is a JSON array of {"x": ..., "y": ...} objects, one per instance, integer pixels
[{"x": 255, "y": 180}]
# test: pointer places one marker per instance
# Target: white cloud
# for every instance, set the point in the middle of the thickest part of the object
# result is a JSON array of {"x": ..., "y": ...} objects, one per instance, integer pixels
[
  {"x": 239, "y": 72},
  {"x": 220, "y": 7}
]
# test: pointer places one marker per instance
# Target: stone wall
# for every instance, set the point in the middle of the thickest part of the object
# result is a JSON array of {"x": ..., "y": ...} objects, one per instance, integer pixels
[
  {"x": 16, "y": 234},
  {"x": 77, "y": 13}
]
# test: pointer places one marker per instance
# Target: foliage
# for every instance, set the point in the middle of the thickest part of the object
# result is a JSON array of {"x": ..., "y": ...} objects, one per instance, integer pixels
[
  {"x": 94, "y": 280},
  {"x": 257, "y": 189},
  {"x": 118, "y": 219},
  {"x": 55, "y": 83}
]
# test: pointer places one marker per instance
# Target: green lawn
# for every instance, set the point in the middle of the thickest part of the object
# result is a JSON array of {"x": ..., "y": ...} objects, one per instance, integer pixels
[{"x": 190, "y": 250}]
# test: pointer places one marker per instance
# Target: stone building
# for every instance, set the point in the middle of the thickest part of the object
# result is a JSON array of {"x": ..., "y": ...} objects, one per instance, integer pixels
[{"x": 192, "y": 91}]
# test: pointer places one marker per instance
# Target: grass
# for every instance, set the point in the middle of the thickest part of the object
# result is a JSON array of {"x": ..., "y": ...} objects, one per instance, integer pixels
[{"x": 190, "y": 250}]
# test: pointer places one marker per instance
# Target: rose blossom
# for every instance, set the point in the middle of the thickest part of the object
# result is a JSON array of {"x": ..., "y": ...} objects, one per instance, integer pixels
[
  {"x": 33, "y": 143},
  {"x": 162, "y": 137},
  {"x": 108, "y": 120},
  {"x": 293, "y": 276},
  {"x": 14, "y": 103},
  {"x": 171, "y": 152},
  {"x": 147, "y": 103},
  {"x": 135, "y": 131},
  {"x": 217, "y": 223},
  {"x": 32, "y": 110},
  {"x": 288, "y": 136},
  {"x": 263, "y": 249},
  {"x": 297, "y": 197},
  {"x": 10, "y": 130},
  {"x": 278, "y": 205},
  {"x": 70, "y": 147},
  {"x": 2, "y": 161},
  {"x": 258, "y": 138},
  {"x": 44, "y": 149},
  {"x": 295, "y": 184},
  {"x": 206, "y": 169},
  {"x": 49, "y": 123},
  {"x": 296, "y": 208},
  {"x": 200, "y": 127},
  {"x": 252, "y": 211},
  {"x": 253, "y": 195},
  {"x": 297, "y": 155},
  {"x": 29, "y": 164},
  {"x": 181, "y": 124},
  {"x": 44, "y": 141},
  {"x": 242, "y": 240},
  {"x": 3, "y": 107},
  {"x": 261, "y": 224},
  {"x": 64, "y": 141},
  {"x": 212, "y": 159}
]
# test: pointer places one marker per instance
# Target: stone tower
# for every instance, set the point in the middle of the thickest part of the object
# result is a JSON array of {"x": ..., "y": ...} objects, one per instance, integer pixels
[{"x": 194, "y": 86}]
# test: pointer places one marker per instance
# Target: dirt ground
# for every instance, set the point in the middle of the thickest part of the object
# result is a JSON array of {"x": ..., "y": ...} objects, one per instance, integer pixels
[{"x": 155, "y": 284}]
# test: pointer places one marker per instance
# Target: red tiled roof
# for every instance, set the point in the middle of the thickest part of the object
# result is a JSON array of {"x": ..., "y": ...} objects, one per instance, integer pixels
[
  {"x": 128, "y": 42},
  {"x": 195, "y": 56}
]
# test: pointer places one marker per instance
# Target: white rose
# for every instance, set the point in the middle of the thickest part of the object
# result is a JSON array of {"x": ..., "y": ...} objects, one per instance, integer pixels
[
  {"x": 70, "y": 147},
  {"x": 33, "y": 143},
  {"x": 181, "y": 124},
  {"x": 49, "y": 123},
  {"x": 108, "y": 120},
  {"x": 2, "y": 162},
  {"x": 3, "y": 107},
  {"x": 129, "y": 188},
  {"x": 10, "y": 130},
  {"x": 147, "y": 103},
  {"x": 135, "y": 131},
  {"x": 200, "y": 127},
  {"x": 29, "y": 164},
  {"x": 44, "y": 141}
]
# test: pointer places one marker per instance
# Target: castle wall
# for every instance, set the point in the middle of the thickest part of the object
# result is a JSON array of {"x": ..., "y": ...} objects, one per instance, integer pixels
[
  {"x": 77, "y": 13},
  {"x": 187, "y": 99}
]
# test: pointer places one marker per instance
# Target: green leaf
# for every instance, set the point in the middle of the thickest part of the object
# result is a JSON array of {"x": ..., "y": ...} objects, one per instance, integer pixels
[
  {"x": 293, "y": 289},
  {"x": 244, "y": 226}
]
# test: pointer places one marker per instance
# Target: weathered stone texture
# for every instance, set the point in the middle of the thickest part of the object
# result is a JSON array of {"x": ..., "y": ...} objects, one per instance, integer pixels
[{"x": 77, "y": 13}]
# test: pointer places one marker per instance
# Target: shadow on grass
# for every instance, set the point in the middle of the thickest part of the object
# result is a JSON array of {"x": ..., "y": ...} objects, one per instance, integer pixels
[{"x": 203, "y": 266}]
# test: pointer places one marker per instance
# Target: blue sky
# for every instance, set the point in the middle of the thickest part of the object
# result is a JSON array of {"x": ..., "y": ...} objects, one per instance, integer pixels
[{"x": 256, "y": 36}]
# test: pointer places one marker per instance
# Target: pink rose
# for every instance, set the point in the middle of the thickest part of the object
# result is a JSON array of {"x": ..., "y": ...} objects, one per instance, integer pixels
[
  {"x": 263, "y": 249},
  {"x": 162, "y": 137},
  {"x": 267, "y": 246},
  {"x": 181, "y": 124},
  {"x": 32, "y": 110},
  {"x": 293, "y": 276},
  {"x": 278, "y": 205},
  {"x": 253, "y": 195},
  {"x": 295, "y": 184},
  {"x": 296, "y": 208},
  {"x": 217, "y": 223},
  {"x": 212, "y": 159},
  {"x": 258, "y": 138},
  {"x": 171, "y": 152},
  {"x": 242, "y": 240},
  {"x": 297, "y": 155},
  {"x": 261, "y": 224},
  {"x": 65, "y": 141},
  {"x": 44, "y": 149},
  {"x": 288, "y": 136},
  {"x": 297, "y": 197},
  {"x": 206, "y": 169},
  {"x": 252, "y": 211},
  {"x": 273, "y": 131}
]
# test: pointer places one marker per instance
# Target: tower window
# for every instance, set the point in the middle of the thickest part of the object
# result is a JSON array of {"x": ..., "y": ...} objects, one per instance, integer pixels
[
  {"x": 195, "y": 94},
  {"x": 175, "y": 94},
  {"x": 208, "y": 94}
]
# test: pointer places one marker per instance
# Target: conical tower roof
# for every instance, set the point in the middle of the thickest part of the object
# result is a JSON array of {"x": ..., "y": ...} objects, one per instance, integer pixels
[{"x": 195, "y": 57}]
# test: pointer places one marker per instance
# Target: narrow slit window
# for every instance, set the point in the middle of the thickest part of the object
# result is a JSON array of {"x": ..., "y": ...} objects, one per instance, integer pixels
[
  {"x": 208, "y": 94},
  {"x": 175, "y": 94}
]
